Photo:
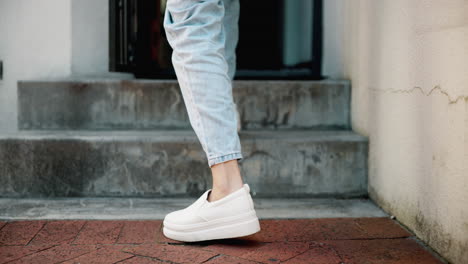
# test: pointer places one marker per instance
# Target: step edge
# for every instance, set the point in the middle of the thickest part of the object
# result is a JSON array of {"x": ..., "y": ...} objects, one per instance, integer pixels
[
  {"x": 344, "y": 82},
  {"x": 311, "y": 135}
]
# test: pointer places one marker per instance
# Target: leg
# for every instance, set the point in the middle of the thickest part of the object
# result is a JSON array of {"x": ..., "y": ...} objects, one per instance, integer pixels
[
  {"x": 203, "y": 36},
  {"x": 231, "y": 26},
  {"x": 204, "y": 63},
  {"x": 226, "y": 176}
]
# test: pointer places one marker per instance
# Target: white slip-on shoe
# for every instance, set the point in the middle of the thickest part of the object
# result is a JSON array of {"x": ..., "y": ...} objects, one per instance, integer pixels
[{"x": 230, "y": 217}]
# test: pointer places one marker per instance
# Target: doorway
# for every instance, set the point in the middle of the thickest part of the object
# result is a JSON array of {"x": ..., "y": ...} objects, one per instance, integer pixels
[{"x": 278, "y": 39}]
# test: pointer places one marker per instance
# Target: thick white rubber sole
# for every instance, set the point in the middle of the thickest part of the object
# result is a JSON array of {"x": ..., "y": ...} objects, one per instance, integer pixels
[{"x": 229, "y": 230}]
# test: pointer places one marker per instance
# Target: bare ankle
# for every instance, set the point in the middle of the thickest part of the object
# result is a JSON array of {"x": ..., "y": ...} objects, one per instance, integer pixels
[{"x": 226, "y": 180}]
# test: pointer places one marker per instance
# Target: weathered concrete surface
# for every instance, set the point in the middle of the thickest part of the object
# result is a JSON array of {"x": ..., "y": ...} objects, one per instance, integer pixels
[
  {"x": 410, "y": 96},
  {"x": 157, "y": 208},
  {"x": 152, "y": 104},
  {"x": 172, "y": 163}
]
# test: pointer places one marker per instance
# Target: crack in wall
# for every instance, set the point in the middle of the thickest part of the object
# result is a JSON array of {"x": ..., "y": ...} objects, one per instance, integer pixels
[{"x": 423, "y": 92}]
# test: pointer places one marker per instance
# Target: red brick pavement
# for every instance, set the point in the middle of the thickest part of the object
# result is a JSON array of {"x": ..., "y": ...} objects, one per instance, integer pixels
[{"x": 308, "y": 241}]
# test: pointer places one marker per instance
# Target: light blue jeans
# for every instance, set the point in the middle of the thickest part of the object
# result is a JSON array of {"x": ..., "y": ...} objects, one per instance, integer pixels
[{"x": 204, "y": 35}]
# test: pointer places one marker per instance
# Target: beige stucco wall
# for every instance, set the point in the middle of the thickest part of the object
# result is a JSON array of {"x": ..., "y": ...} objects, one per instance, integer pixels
[
  {"x": 42, "y": 39},
  {"x": 34, "y": 43},
  {"x": 408, "y": 62},
  {"x": 90, "y": 37}
]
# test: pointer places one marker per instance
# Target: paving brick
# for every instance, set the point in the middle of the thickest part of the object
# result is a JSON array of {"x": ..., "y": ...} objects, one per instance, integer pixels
[
  {"x": 9, "y": 253},
  {"x": 311, "y": 241},
  {"x": 19, "y": 232},
  {"x": 290, "y": 230},
  {"x": 340, "y": 228},
  {"x": 2, "y": 223},
  {"x": 229, "y": 260},
  {"x": 381, "y": 227},
  {"x": 57, "y": 232},
  {"x": 382, "y": 251},
  {"x": 234, "y": 247},
  {"x": 317, "y": 254},
  {"x": 138, "y": 232},
  {"x": 175, "y": 253},
  {"x": 328, "y": 229},
  {"x": 161, "y": 238},
  {"x": 99, "y": 232},
  {"x": 273, "y": 230},
  {"x": 308, "y": 230},
  {"x": 107, "y": 254},
  {"x": 142, "y": 260},
  {"x": 56, "y": 254},
  {"x": 277, "y": 252}
]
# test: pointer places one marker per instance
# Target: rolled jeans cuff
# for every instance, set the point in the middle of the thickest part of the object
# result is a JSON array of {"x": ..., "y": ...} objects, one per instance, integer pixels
[{"x": 224, "y": 158}]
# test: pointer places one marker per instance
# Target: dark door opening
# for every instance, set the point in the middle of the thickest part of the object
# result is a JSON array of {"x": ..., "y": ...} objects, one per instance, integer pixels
[{"x": 278, "y": 39}]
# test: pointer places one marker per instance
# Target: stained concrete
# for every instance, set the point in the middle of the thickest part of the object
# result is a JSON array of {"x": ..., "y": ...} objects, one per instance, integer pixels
[
  {"x": 143, "y": 208},
  {"x": 101, "y": 104},
  {"x": 172, "y": 163},
  {"x": 408, "y": 62}
]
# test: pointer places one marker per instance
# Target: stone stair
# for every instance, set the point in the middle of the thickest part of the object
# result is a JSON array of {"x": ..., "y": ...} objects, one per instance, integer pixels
[
  {"x": 132, "y": 138},
  {"x": 156, "y": 105}
]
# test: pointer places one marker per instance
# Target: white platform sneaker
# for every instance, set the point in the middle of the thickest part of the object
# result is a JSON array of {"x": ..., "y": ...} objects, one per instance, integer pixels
[{"x": 230, "y": 217}]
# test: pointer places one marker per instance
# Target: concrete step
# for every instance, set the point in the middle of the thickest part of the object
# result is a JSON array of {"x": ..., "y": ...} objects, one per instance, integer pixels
[
  {"x": 157, "y": 208},
  {"x": 158, "y": 104},
  {"x": 172, "y": 163}
]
